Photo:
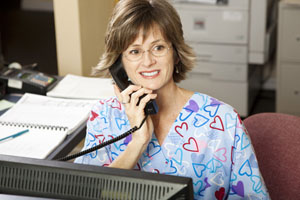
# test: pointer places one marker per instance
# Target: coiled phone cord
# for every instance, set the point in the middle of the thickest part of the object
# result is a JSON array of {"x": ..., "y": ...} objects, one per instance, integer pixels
[{"x": 99, "y": 146}]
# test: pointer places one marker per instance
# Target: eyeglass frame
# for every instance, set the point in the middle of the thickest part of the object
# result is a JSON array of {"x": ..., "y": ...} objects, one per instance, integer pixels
[{"x": 148, "y": 50}]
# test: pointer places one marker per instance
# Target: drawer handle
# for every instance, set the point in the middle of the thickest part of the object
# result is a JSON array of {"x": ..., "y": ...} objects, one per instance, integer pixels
[
  {"x": 296, "y": 92},
  {"x": 298, "y": 39}
]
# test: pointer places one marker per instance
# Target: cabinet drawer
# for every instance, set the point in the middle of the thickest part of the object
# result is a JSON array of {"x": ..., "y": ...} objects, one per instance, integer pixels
[
  {"x": 234, "y": 4},
  {"x": 290, "y": 37},
  {"x": 216, "y": 24},
  {"x": 239, "y": 4},
  {"x": 220, "y": 53},
  {"x": 222, "y": 71},
  {"x": 289, "y": 88}
]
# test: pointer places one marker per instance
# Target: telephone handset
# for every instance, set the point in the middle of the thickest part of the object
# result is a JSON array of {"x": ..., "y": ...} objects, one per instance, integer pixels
[{"x": 120, "y": 77}]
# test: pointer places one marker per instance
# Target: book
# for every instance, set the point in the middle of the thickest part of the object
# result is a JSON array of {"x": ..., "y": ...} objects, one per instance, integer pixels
[
  {"x": 49, "y": 111},
  {"x": 38, "y": 142},
  {"x": 80, "y": 87},
  {"x": 48, "y": 119}
]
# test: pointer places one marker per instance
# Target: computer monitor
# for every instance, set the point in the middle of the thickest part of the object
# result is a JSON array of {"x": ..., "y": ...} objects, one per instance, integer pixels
[{"x": 63, "y": 180}]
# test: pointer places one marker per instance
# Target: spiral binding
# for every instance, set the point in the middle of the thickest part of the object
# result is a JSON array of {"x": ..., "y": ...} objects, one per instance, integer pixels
[{"x": 32, "y": 125}]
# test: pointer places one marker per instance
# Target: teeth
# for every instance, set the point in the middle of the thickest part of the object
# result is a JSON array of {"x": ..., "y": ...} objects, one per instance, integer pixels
[{"x": 150, "y": 73}]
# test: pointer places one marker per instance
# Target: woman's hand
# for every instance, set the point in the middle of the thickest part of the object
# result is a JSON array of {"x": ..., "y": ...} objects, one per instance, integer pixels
[{"x": 135, "y": 113}]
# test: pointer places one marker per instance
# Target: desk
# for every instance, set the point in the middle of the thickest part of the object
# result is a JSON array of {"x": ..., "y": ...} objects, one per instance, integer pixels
[{"x": 67, "y": 145}]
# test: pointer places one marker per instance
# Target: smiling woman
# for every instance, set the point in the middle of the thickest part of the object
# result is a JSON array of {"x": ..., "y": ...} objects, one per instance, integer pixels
[
  {"x": 192, "y": 134},
  {"x": 128, "y": 22},
  {"x": 152, "y": 68}
]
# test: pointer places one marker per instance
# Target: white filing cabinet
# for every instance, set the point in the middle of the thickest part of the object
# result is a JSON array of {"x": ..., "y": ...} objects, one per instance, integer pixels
[
  {"x": 262, "y": 32},
  {"x": 288, "y": 58},
  {"x": 219, "y": 35}
]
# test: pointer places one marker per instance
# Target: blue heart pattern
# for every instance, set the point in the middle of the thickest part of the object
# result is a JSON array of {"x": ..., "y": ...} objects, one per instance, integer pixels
[
  {"x": 198, "y": 169},
  {"x": 178, "y": 156},
  {"x": 200, "y": 120},
  {"x": 188, "y": 149},
  {"x": 120, "y": 123},
  {"x": 153, "y": 149}
]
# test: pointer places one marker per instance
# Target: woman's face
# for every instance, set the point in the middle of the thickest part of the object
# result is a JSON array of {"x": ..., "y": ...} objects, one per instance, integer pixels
[{"x": 150, "y": 71}]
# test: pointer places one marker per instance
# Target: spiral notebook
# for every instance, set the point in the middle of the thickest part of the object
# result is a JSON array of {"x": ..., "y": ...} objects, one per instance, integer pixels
[
  {"x": 48, "y": 119},
  {"x": 38, "y": 142}
]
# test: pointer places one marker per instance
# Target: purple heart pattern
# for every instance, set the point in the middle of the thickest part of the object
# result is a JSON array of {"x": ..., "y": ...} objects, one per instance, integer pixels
[{"x": 207, "y": 142}]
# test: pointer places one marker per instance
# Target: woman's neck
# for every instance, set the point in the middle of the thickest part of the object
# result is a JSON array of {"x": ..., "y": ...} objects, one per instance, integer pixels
[
  {"x": 171, "y": 98},
  {"x": 170, "y": 101}
]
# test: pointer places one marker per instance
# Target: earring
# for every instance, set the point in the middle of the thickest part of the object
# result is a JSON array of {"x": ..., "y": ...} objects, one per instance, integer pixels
[{"x": 176, "y": 69}]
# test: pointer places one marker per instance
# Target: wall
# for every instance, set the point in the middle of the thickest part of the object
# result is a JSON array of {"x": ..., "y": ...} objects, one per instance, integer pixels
[{"x": 80, "y": 27}]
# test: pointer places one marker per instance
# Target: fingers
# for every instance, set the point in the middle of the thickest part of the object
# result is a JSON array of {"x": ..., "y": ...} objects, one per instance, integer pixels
[
  {"x": 136, "y": 95},
  {"x": 130, "y": 97},
  {"x": 138, "y": 103},
  {"x": 117, "y": 92},
  {"x": 146, "y": 99},
  {"x": 124, "y": 96}
]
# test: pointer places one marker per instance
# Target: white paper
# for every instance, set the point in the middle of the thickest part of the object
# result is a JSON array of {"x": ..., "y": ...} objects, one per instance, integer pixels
[
  {"x": 79, "y": 87},
  {"x": 48, "y": 120},
  {"x": 36, "y": 143},
  {"x": 4, "y": 104},
  {"x": 49, "y": 111},
  {"x": 12, "y": 83}
]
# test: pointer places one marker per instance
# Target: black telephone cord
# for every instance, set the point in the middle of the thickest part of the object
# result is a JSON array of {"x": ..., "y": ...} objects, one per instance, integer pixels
[{"x": 99, "y": 146}]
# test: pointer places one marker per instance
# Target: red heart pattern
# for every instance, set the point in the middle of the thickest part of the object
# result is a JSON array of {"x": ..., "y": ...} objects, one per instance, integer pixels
[
  {"x": 211, "y": 152},
  {"x": 180, "y": 131},
  {"x": 219, "y": 194},
  {"x": 191, "y": 145},
  {"x": 217, "y": 124}
]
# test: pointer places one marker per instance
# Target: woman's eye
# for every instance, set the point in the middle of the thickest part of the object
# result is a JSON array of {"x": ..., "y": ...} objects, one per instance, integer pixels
[
  {"x": 134, "y": 51},
  {"x": 159, "y": 48}
]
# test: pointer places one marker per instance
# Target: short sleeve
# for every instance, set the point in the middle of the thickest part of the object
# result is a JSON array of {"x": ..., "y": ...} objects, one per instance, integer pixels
[
  {"x": 96, "y": 132},
  {"x": 246, "y": 181}
]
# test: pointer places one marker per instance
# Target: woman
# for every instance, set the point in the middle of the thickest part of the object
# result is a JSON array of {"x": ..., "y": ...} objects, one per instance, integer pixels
[{"x": 192, "y": 134}]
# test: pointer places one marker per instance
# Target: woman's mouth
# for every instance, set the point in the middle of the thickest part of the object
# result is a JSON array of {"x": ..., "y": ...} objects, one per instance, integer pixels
[{"x": 151, "y": 74}]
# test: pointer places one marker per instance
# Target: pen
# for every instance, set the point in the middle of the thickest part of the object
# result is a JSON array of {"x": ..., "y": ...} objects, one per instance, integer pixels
[{"x": 13, "y": 135}]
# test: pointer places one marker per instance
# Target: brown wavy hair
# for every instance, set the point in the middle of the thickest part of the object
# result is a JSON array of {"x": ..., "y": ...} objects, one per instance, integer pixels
[{"x": 131, "y": 16}]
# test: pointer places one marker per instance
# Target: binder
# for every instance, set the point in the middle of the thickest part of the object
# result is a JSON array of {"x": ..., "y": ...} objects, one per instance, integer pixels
[{"x": 48, "y": 119}]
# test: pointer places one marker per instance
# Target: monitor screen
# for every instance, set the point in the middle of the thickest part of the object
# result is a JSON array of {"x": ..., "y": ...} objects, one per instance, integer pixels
[{"x": 63, "y": 180}]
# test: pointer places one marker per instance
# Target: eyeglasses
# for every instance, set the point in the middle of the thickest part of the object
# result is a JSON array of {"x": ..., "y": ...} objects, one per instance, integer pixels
[{"x": 158, "y": 50}]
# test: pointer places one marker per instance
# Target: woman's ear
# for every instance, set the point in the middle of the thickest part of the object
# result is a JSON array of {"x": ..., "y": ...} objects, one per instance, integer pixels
[{"x": 176, "y": 63}]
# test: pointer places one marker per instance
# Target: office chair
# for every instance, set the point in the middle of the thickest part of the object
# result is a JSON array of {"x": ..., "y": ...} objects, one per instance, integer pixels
[{"x": 276, "y": 141}]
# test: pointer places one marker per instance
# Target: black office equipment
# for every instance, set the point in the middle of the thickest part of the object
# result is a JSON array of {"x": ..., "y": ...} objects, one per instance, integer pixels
[
  {"x": 2, "y": 89},
  {"x": 62, "y": 180},
  {"x": 22, "y": 80}
]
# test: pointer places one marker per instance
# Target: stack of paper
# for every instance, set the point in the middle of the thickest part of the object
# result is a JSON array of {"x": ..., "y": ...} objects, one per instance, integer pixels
[{"x": 79, "y": 87}]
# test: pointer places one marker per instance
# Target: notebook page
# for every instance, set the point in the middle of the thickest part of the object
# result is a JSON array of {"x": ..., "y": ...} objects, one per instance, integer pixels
[
  {"x": 37, "y": 143},
  {"x": 49, "y": 111},
  {"x": 6, "y": 131}
]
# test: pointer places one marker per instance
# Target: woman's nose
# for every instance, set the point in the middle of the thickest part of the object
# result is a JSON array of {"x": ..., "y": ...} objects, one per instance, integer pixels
[{"x": 148, "y": 58}]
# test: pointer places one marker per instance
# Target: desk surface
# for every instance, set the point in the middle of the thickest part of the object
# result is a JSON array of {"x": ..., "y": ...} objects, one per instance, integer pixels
[{"x": 67, "y": 145}]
